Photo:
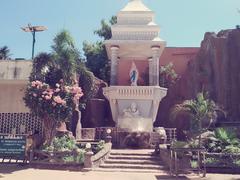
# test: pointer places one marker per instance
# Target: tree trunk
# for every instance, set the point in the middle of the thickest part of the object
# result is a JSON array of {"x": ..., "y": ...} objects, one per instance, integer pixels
[
  {"x": 49, "y": 126},
  {"x": 79, "y": 126},
  {"x": 200, "y": 135}
]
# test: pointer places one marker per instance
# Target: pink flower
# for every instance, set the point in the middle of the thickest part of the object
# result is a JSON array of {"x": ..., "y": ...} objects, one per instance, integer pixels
[
  {"x": 50, "y": 91},
  {"x": 34, "y": 94},
  {"x": 47, "y": 97},
  {"x": 38, "y": 82},
  {"x": 64, "y": 102},
  {"x": 76, "y": 90},
  {"x": 44, "y": 92},
  {"x": 33, "y": 84},
  {"x": 57, "y": 85},
  {"x": 57, "y": 90},
  {"x": 67, "y": 89},
  {"x": 59, "y": 100},
  {"x": 77, "y": 96}
]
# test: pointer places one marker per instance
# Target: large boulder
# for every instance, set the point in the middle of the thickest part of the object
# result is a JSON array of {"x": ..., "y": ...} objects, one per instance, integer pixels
[{"x": 216, "y": 70}]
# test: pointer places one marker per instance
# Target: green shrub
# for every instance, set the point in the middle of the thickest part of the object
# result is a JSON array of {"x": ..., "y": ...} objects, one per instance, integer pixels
[
  {"x": 223, "y": 140},
  {"x": 194, "y": 164},
  {"x": 231, "y": 149},
  {"x": 64, "y": 143},
  {"x": 79, "y": 158},
  {"x": 211, "y": 160},
  {"x": 226, "y": 136},
  {"x": 237, "y": 162}
]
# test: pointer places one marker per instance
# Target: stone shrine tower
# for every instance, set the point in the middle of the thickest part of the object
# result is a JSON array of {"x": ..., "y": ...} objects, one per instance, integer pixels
[{"x": 135, "y": 39}]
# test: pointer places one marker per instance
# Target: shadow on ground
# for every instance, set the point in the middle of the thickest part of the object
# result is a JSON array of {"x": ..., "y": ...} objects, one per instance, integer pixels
[
  {"x": 10, "y": 168},
  {"x": 73, "y": 168},
  {"x": 168, "y": 177}
]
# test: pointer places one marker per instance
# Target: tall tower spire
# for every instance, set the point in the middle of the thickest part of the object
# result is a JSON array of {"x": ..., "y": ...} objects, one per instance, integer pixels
[
  {"x": 135, "y": 5},
  {"x": 135, "y": 39}
]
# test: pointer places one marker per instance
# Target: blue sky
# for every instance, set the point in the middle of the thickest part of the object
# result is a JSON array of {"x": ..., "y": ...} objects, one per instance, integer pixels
[{"x": 183, "y": 22}]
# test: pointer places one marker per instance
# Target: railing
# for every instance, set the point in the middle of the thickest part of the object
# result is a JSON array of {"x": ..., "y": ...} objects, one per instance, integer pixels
[
  {"x": 171, "y": 135},
  {"x": 20, "y": 123},
  {"x": 135, "y": 91},
  {"x": 102, "y": 155},
  {"x": 181, "y": 159},
  {"x": 88, "y": 134}
]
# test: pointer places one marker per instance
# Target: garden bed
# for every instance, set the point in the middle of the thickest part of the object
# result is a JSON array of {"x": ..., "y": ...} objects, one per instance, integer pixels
[
  {"x": 223, "y": 163},
  {"x": 69, "y": 158},
  {"x": 64, "y": 153}
]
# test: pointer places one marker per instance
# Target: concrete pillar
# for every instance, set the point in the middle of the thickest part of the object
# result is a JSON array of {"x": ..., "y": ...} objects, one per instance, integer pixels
[
  {"x": 108, "y": 137},
  {"x": 114, "y": 65},
  {"x": 155, "y": 51},
  {"x": 150, "y": 63},
  {"x": 88, "y": 158}
]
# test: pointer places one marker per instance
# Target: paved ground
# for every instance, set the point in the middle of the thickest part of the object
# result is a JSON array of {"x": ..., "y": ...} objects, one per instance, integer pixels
[{"x": 23, "y": 173}]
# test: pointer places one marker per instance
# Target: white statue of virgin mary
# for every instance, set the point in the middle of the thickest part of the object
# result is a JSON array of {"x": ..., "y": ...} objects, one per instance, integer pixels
[{"x": 133, "y": 75}]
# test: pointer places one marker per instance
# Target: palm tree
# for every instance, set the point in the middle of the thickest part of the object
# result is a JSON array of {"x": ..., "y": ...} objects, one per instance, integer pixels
[
  {"x": 4, "y": 53},
  {"x": 66, "y": 55},
  {"x": 200, "y": 110}
]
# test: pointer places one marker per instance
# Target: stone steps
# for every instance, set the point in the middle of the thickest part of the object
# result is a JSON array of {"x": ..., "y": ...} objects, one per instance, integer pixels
[
  {"x": 132, "y": 157},
  {"x": 130, "y": 170},
  {"x": 131, "y": 154},
  {"x": 131, "y": 166},
  {"x": 132, "y": 161}
]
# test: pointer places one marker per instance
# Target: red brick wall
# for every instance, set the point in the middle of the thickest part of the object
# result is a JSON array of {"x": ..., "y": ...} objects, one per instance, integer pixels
[{"x": 178, "y": 56}]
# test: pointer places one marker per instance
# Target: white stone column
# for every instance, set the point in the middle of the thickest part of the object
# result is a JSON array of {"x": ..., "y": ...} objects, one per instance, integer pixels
[
  {"x": 155, "y": 51},
  {"x": 150, "y": 73},
  {"x": 114, "y": 65}
]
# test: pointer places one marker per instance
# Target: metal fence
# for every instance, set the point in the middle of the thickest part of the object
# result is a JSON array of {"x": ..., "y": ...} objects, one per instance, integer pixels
[
  {"x": 171, "y": 135},
  {"x": 100, "y": 133},
  {"x": 19, "y": 123}
]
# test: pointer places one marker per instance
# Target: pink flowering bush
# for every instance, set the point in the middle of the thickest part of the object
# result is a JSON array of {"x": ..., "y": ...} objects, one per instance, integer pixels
[{"x": 56, "y": 102}]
